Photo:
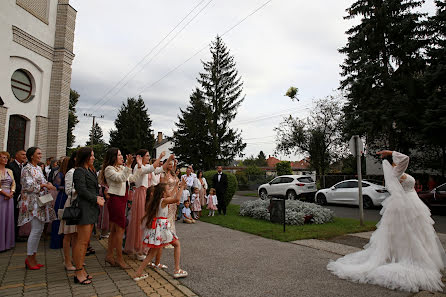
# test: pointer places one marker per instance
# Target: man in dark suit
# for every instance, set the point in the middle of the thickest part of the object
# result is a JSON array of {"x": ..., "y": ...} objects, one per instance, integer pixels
[
  {"x": 16, "y": 167},
  {"x": 220, "y": 182}
]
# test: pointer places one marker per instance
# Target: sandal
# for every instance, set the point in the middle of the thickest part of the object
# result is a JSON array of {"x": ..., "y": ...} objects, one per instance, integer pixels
[
  {"x": 141, "y": 277},
  {"x": 161, "y": 266},
  {"x": 180, "y": 273},
  {"x": 84, "y": 282},
  {"x": 90, "y": 251},
  {"x": 71, "y": 268}
]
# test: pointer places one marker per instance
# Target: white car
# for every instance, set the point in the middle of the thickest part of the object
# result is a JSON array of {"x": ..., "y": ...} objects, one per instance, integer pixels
[
  {"x": 346, "y": 192},
  {"x": 288, "y": 186}
]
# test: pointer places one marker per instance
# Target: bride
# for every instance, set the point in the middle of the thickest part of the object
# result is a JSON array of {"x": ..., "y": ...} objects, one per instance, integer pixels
[{"x": 404, "y": 252}]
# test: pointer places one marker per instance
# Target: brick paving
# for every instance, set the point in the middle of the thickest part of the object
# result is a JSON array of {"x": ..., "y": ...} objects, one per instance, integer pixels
[{"x": 53, "y": 280}]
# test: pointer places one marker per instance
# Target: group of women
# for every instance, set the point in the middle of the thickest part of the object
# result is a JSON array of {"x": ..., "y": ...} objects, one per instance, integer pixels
[{"x": 78, "y": 181}]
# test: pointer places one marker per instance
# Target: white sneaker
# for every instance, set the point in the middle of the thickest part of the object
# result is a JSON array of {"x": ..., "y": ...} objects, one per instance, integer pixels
[{"x": 141, "y": 257}]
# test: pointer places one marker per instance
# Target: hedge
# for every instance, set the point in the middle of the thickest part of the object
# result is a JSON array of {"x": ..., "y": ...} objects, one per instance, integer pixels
[{"x": 232, "y": 184}]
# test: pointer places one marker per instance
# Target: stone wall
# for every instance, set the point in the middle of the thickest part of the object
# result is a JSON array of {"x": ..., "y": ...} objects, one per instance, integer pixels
[
  {"x": 38, "y": 8},
  {"x": 3, "y": 113},
  {"x": 41, "y": 138},
  {"x": 61, "y": 80}
]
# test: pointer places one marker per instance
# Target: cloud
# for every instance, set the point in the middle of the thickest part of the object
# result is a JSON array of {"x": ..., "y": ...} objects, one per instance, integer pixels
[{"x": 285, "y": 43}]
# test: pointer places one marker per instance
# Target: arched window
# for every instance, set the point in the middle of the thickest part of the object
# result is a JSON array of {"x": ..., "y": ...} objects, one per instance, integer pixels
[{"x": 21, "y": 85}]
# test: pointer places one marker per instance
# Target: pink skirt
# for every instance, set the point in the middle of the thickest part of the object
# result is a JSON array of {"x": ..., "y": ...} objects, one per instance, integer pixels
[{"x": 134, "y": 236}]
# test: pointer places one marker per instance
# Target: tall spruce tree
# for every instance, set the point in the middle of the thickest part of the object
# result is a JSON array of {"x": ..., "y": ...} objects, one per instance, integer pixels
[
  {"x": 95, "y": 134},
  {"x": 72, "y": 118},
  {"x": 133, "y": 128},
  {"x": 212, "y": 107},
  {"x": 434, "y": 120},
  {"x": 222, "y": 89},
  {"x": 382, "y": 73},
  {"x": 192, "y": 141}
]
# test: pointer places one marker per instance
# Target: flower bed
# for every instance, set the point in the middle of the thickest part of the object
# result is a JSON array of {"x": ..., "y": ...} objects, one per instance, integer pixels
[{"x": 296, "y": 212}]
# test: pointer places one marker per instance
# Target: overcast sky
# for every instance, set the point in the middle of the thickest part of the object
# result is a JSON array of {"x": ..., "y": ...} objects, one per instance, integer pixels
[{"x": 285, "y": 43}]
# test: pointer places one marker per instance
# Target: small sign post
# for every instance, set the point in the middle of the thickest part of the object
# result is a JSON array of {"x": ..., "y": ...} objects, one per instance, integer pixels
[{"x": 356, "y": 147}]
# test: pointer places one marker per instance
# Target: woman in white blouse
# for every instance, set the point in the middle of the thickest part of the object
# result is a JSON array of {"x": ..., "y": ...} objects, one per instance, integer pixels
[
  {"x": 202, "y": 185},
  {"x": 117, "y": 176},
  {"x": 133, "y": 239}
]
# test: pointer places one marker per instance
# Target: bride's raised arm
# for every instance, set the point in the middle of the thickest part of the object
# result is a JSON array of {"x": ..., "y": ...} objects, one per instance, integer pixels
[{"x": 401, "y": 161}]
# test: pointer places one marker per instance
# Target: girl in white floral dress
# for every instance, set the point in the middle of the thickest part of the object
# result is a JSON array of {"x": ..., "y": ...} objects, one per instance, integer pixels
[{"x": 158, "y": 233}]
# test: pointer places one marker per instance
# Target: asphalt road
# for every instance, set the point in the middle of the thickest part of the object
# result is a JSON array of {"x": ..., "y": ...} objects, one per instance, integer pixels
[
  {"x": 227, "y": 263},
  {"x": 346, "y": 211}
]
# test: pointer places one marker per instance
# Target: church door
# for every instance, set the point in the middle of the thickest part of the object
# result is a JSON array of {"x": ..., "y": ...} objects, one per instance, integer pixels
[{"x": 16, "y": 134}]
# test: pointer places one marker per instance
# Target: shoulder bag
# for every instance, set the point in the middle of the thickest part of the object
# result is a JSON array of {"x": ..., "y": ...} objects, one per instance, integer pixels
[{"x": 72, "y": 214}]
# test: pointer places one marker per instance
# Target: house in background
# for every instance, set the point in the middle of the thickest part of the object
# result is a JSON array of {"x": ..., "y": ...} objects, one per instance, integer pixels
[{"x": 162, "y": 144}]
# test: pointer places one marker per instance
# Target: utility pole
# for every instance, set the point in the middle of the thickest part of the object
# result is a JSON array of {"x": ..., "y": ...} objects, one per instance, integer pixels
[
  {"x": 89, "y": 115},
  {"x": 357, "y": 148}
]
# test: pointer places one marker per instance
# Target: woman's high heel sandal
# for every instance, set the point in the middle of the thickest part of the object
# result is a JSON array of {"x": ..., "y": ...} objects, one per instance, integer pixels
[{"x": 28, "y": 266}]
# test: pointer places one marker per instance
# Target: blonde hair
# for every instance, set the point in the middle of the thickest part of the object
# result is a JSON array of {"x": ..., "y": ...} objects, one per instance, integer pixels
[
  {"x": 212, "y": 191},
  {"x": 3, "y": 153}
]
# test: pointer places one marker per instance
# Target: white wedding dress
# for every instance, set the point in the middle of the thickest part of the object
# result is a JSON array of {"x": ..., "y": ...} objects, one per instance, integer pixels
[{"x": 404, "y": 252}]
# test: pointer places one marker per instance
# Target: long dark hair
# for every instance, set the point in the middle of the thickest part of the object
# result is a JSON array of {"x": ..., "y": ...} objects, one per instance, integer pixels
[
  {"x": 154, "y": 203},
  {"x": 389, "y": 158},
  {"x": 142, "y": 153},
  {"x": 83, "y": 155},
  {"x": 72, "y": 161},
  {"x": 111, "y": 156}
]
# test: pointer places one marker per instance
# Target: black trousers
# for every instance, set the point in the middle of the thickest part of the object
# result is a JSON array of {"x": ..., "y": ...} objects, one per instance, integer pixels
[{"x": 221, "y": 202}]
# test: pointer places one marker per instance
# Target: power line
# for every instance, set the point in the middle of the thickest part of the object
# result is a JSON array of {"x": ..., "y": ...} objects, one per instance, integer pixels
[
  {"x": 159, "y": 51},
  {"x": 153, "y": 48},
  {"x": 148, "y": 86}
]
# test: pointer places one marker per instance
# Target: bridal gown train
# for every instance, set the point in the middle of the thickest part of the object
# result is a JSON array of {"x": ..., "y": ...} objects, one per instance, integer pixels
[{"x": 404, "y": 253}]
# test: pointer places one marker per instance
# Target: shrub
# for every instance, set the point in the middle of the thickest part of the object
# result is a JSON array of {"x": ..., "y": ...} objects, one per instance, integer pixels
[
  {"x": 232, "y": 184},
  {"x": 296, "y": 212},
  {"x": 283, "y": 168}
]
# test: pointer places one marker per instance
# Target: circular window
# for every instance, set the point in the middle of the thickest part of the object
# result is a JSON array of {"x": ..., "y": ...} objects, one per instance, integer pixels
[{"x": 21, "y": 85}]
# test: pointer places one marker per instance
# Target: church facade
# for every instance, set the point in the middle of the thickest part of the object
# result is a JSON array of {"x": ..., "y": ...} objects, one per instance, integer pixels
[{"x": 36, "y": 54}]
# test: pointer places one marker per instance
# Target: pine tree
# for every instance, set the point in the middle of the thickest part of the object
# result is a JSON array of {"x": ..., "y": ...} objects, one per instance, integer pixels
[
  {"x": 192, "y": 141},
  {"x": 133, "y": 128},
  {"x": 381, "y": 72},
  {"x": 222, "y": 90},
  {"x": 261, "y": 159},
  {"x": 72, "y": 118},
  {"x": 96, "y": 133},
  {"x": 434, "y": 120}
]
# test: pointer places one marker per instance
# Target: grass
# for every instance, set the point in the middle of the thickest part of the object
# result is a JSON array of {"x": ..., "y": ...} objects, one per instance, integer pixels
[
  {"x": 232, "y": 220},
  {"x": 249, "y": 194}
]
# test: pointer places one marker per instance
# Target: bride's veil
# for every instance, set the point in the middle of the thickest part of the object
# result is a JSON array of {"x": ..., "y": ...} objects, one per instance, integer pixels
[{"x": 392, "y": 183}]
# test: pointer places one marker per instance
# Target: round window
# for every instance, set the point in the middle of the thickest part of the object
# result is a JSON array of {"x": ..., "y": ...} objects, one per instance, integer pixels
[{"x": 21, "y": 85}]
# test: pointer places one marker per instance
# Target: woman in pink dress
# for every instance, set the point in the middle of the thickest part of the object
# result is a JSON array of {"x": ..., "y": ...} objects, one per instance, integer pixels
[
  {"x": 171, "y": 180},
  {"x": 134, "y": 236}
]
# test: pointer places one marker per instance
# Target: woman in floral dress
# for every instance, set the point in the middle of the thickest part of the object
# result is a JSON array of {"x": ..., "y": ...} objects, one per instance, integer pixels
[{"x": 34, "y": 185}]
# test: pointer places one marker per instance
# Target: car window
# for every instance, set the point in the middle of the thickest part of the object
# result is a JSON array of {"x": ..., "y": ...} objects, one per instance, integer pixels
[
  {"x": 342, "y": 185},
  {"x": 365, "y": 185},
  {"x": 275, "y": 181},
  {"x": 286, "y": 180},
  {"x": 352, "y": 184},
  {"x": 306, "y": 179}
]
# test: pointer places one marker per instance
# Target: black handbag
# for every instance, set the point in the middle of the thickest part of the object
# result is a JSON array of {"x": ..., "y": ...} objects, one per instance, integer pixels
[{"x": 72, "y": 214}]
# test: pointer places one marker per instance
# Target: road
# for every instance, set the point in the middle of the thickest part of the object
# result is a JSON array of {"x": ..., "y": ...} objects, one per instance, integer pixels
[{"x": 346, "y": 211}]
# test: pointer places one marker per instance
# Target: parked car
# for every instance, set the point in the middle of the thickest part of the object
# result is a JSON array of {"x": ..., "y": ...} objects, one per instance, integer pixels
[
  {"x": 346, "y": 192},
  {"x": 435, "y": 198},
  {"x": 289, "y": 186}
]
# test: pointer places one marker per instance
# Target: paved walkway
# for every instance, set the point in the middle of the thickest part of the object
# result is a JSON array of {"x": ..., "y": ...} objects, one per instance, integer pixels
[{"x": 53, "y": 280}]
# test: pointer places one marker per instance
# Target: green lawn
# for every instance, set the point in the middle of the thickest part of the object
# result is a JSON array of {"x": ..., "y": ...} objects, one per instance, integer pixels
[
  {"x": 266, "y": 229},
  {"x": 249, "y": 194}
]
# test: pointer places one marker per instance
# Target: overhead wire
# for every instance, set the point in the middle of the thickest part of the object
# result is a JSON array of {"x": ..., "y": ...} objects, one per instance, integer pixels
[{"x": 150, "y": 52}]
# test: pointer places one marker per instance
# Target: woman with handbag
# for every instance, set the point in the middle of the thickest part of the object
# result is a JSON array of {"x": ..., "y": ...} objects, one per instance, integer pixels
[
  {"x": 69, "y": 231},
  {"x": 35, "y": 205},
  {"x": 88, "y": 201},
  {"x": 117, "y": 176},
  {"x": 61, "y": 198}
]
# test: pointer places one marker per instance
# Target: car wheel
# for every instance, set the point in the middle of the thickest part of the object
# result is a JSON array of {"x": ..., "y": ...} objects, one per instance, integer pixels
[
  {"x": 367, "y": 202},
  {"x": 321, "y": 199},
  {"x": 263, "y": 194},
  {"x": 291, "y": 195}
]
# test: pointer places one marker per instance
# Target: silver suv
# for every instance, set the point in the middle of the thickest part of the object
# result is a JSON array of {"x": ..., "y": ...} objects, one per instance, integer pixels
[{"x": 290, "y": 187}]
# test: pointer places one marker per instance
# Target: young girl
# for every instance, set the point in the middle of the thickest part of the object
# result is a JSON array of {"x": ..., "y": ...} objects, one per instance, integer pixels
[
  {"x": 157, "y": 233},
  {"x": 212, "y": 201},
  {"x": 196, "y": 205}
]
